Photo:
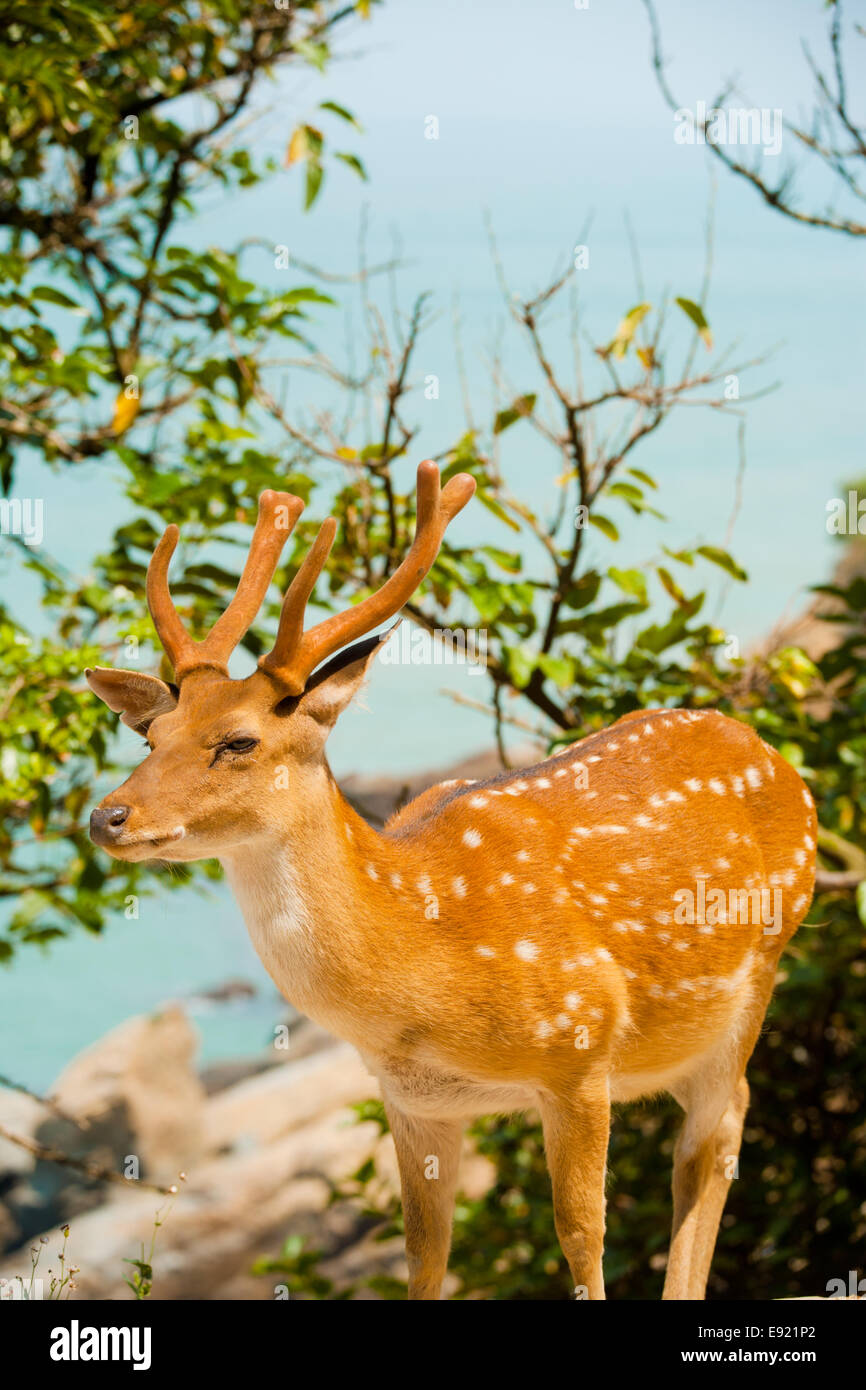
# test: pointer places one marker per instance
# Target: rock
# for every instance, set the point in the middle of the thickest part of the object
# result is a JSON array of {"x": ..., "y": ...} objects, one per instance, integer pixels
[
  {"x": 139, "y": 1084},
  {"x": 278, "y": 1102},
  {"x": 132, "y": 1095},
  {"x": 290, "y": 1137},
  {"x": 262, "y": 1160},
  {"x": 19, "y": 1114}
]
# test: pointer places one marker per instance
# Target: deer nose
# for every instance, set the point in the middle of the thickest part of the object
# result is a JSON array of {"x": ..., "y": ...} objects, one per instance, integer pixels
[{"x": 106, "y": 823}]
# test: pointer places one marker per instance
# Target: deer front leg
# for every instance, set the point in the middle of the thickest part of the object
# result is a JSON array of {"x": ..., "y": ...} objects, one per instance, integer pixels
[
  {"x": 576, "y": 1132},
  {"x": 428, "y": 1156}
]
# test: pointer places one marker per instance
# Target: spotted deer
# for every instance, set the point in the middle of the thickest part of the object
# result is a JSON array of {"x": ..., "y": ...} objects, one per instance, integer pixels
[{"x": 602, "y": 926}]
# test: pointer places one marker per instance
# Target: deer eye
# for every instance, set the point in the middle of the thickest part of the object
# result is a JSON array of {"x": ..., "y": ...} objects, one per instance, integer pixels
[{"x": 240, "y": 745}]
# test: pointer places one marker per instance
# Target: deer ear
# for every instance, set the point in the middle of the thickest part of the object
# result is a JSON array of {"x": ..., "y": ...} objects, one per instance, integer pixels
[
  {"x": 331, "y": 689},
  {"x": 135, "y": 696}
]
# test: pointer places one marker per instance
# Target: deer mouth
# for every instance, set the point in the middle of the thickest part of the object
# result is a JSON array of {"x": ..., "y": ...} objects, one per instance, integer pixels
[
  {"x": 140, "y": 846},
  {"x": 154, "y": 841}
]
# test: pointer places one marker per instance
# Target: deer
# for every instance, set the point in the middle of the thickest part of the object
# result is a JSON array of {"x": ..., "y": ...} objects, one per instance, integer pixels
[{"x": 590, "y": 930}]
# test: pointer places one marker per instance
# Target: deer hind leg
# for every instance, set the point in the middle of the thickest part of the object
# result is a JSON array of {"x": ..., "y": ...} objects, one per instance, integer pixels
[
  {"x": 428, "y": 1156},
  {"x": 715, "y": 1099},
  {"x": 576, "y": 1133},
  {"x": 705, "y": 1161}
]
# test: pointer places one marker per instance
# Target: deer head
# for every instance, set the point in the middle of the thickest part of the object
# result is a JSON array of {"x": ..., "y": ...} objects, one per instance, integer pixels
[{"x": 224, "y": 752}]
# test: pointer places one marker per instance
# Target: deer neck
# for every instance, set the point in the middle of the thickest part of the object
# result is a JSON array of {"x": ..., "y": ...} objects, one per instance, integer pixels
[{"x": 297, "y": 888}]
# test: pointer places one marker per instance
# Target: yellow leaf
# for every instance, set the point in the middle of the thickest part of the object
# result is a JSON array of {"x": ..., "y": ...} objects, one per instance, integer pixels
[
  {"x": 125, "y": 410},
  {"x": 647, "y": 357},
  {"x": 297, "y": 146}
]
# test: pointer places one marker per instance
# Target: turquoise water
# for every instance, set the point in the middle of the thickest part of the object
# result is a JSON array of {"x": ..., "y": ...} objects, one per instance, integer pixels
[{"x": 54, "y": 1005}]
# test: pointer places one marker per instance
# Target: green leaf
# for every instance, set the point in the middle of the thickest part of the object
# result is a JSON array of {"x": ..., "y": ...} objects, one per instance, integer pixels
[
  {"x": 315, "y": 174},
  {"x": 341, "y": 111},
  {"x": 506, "y": 559},
  {"x": 657, "y": 638},
  {"x": 604, "y": 525},
  {"x": 53, "y": 296},
  {"x": 670, "y": 585},
  {"x": 316, "y": 54},
  {"x": 518, "y": 410},
  {"x": 723, "y": 560},
  {"x": 630, "y": 581},
  {"x": 626, "y": 490},
  {"x": 353, "y": 162},
  {"x": 621, "y": 341},
  {"x": 521, "y": 664},
  {"x": 490, "y": 502},
  {"x": 696, "y": 314},
  {"x": 559, "y": 669},
  {"x": 643, "y": 477},
  {"x": 583, "y": 591}
]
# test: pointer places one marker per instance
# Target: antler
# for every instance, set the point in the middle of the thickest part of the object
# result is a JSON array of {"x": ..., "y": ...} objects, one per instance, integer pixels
[
  {"x": 296, "y": 653},
  {"x": 278, "y": 513}
]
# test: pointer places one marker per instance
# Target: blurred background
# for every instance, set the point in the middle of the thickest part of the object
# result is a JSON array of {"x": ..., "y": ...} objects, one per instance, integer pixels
[{"x": 302, "y": 246}]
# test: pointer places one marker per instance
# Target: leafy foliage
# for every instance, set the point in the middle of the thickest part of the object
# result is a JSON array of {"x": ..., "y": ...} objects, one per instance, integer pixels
[{"x": 124, "y": 348}]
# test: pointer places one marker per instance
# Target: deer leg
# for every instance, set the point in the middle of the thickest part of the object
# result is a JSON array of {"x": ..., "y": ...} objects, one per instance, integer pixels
[
  {"x": 576, "y": 1132},
  {"x": 727, "y": 1141},
  {"x": 428, "y": 1156},
  {"x": 705, "y": 1161},
  {"x": 715, "y": 1099}
]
